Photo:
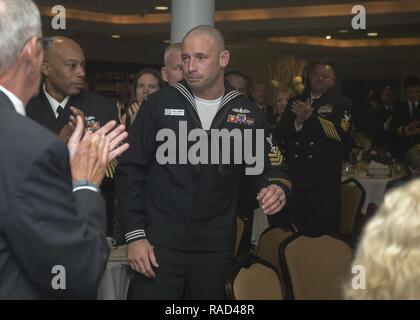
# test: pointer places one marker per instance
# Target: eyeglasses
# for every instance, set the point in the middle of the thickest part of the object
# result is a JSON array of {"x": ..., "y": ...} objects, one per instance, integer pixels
[{"x": 44, "y": 42}]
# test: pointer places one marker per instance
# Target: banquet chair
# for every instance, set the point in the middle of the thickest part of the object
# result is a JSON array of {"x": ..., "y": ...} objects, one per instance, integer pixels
[
  {"x": 352, "y": 199},
  {"x": 269, "y": 244},
  {"x": 252, "y": 278},
  {"x": 315, "y": 267},
  {"x": 242, "y": 228}
]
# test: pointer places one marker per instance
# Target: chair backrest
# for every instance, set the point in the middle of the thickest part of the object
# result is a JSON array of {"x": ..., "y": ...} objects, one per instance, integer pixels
[
  {"x": 240, "y": 229},
  {"x": 315, "y": 267},
  {"x": 269, "y": 244},
  {"x": 352, "y": 199},
  {"x": 252, "y": 278}
]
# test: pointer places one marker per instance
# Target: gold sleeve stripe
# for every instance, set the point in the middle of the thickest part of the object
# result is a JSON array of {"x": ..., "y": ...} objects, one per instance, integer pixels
[
  {"x": 276, "y": 159},
  {"x": 110, "y": 169},
  {"x": 275, "y": 164},
  {"x": 275, "y": 156},
  {"x": 329, "y": 129},
  {"x": 286, "y": 182}
]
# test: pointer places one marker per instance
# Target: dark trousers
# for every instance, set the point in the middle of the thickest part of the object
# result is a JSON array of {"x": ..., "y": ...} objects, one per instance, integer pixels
[
  {"x": 195, "y": 275},
  {"x": 316, "y": 212}
]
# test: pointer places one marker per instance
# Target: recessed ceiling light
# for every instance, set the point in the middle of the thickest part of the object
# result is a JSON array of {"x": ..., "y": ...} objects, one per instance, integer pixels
[
  {"x": 343, "y": 31},
  {"x": 115, "y": 36},
  {"x": 372, "y": 34},
  {"x": 328, "y": 37},
  {"x": 161, "y": 8}
]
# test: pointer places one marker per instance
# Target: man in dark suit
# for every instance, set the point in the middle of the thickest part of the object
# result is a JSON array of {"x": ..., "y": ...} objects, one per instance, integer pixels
[
  {"x": 52, "y": 242},
  {"x": 405, "y": 124},
  {"x": 379, "y": 119},
  {"x": 64, "y": 75},
  {"x": 259, "y": 94},
  {"x": 411, "y": 168}
]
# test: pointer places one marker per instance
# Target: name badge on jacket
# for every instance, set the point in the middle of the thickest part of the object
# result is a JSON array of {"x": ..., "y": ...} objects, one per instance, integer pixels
[{"x": 174, "y": 112}]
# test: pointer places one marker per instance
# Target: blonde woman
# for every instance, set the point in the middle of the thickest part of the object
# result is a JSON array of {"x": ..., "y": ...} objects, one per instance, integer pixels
[
  {"x": 282, "y": 98},
  {"x": 389, "y": 250}
]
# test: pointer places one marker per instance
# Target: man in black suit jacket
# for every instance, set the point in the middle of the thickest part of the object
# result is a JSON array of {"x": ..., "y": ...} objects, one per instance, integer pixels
[
  {"x": 259, "y": 95},
  {"x": 64, "y": 75},
  {"x": 405, "y": 123},
  {"x": 379, "y": 120},
  {"x": 411, "y": 167},
  {"x": 52, "y": 242}
]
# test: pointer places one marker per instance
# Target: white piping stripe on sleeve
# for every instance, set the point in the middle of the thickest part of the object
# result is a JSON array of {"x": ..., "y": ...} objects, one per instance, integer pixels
[
  {"x": 134, "y": 237},
  {"x": 85, "y": 187},
  {"x": 135, "y": 233}
]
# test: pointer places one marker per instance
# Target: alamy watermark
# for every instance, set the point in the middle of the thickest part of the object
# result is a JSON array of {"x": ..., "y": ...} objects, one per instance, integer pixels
[
  {"x": 243, "y": 144},
  {"x": 58, "y": 282},
  {"x": 59, "y": 20},
  {"x": 358, "y": 282},
  {"x": 359, "y": 20}
]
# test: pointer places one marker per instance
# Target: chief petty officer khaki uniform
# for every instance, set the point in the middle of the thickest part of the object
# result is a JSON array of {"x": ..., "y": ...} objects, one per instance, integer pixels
[
  {"x": 314, "y": 157},
  {"x": 187, "y": 212}
]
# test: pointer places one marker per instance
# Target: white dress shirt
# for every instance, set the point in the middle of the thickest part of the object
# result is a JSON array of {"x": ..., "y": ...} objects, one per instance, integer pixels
[
  {"x": 17, "y": 103},
  {"x": 54, "y": 103}
]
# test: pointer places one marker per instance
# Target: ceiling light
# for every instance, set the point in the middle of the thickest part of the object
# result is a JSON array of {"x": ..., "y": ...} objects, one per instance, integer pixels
[
  {"x": 161, "y": 8},
  {"x": 328, "y": 37},
  {"x": 166, "y": 41},
  {"x": 115, "y": 36},
  {"x": 343, "y": 31},
  {"x": 372, "y": 34}
]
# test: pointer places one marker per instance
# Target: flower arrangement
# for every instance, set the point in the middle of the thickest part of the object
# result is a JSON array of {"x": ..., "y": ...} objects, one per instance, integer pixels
[{"x": 286, "y": 74}]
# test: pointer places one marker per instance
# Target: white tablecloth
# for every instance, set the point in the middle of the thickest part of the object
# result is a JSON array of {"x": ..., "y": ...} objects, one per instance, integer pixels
[{"x": 375, "y": 189}]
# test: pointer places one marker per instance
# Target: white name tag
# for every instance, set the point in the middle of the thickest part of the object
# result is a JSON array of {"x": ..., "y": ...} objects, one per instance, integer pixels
[{"x": 174, "y": 112}]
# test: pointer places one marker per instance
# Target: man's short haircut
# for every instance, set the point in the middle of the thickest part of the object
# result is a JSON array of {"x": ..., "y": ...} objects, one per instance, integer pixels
[
  {"x": 19, "y": 21},
  {"x": 235, "y": 73},
  {"x": 412, "y": 158},
  {"x": 173, "y": 46},
  {"x": 387, "y": 88},
  {"x": 211, "y": 31},
  {"x": 321, "y": 62},
  {"x": 411, "y": 81}
]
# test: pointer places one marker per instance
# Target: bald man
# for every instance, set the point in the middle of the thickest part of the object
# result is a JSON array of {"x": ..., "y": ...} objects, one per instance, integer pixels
[
  {"x": 179, "y": 218},
  {"x": 64, "y": 72},
  {"x": 172, "y": 70}
]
